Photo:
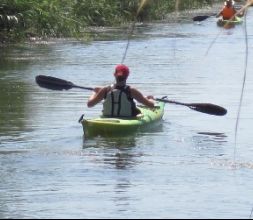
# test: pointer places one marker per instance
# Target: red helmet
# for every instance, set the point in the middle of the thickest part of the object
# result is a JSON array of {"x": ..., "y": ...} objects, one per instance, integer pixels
[{"x": 121, "y": 70}]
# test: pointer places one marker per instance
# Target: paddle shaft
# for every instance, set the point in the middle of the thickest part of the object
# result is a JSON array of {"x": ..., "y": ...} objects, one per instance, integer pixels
[{"x": 172, "y": 102}]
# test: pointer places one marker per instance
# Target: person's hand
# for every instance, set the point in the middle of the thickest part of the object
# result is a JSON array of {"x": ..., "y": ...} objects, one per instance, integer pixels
[
  {"x": 150, "y": 97},
  {"x": 97, "y": 89}
]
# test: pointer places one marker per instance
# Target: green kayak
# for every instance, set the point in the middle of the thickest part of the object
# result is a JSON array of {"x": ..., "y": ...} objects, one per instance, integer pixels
[
  {"x": 105, "y": 126},
  {"x": 223, "y": 23}
]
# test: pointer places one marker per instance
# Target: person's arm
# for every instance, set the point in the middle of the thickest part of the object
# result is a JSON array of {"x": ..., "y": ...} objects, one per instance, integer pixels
[
  {"x": 235, "y": 12},
  {"x": 148, "y": 101},
  {"x": 97, "y": 96},
  {"x": 240, "y": 13},
  {"x": 219, "y": 14}
]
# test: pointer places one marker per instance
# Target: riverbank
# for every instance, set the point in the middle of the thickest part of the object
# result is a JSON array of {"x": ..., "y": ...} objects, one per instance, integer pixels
[
  {"x": 63, "y": 19},
  {"x": 88, "y": 31}
]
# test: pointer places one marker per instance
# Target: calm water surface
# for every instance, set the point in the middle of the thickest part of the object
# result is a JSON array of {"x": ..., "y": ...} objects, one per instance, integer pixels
[{"x": 186, "y": 167}]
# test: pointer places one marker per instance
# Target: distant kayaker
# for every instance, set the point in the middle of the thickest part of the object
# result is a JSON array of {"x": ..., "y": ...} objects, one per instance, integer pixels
[
  {"x": 228, "y": 11},
  {"x": 119, "y": 97}
]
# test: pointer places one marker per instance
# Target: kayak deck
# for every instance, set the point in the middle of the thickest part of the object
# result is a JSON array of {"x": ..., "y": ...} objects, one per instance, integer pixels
[{"x": 105, "y": 126}]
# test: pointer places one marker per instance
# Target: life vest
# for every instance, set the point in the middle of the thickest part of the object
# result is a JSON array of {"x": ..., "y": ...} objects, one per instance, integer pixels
[
  {"x": 118, "y": 102},
  {"x": 228, "y": 13}
]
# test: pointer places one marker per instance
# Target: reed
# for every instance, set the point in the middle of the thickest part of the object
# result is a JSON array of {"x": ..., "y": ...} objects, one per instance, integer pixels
[{"x": 64, "y": 18}]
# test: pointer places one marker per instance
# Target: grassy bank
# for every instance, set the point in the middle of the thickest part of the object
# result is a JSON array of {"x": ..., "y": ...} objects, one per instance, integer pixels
[{"x": 20, "y": 19}]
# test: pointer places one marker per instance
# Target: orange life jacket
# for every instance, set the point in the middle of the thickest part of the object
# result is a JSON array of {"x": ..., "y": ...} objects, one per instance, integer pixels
[{"x": 228, "y": 13}]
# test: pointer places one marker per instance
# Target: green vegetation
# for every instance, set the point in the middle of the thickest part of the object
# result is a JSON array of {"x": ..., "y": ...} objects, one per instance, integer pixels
[{"x": 67, "y": 18}]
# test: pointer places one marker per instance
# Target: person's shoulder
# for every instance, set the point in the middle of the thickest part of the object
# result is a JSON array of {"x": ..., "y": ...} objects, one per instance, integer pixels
[
  {"x": 104, "y": 89},
  {"x": 135, "y": 91},
  {"x": 132, "y": 88},
  {"x": 108, "y": 87}
]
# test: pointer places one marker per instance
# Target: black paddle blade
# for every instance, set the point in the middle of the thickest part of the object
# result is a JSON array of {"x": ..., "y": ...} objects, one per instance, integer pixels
[
  {"x": 208, "y": 108},
  {"x": 200, "y": 18},
  {"x": 53, "y": 83}
]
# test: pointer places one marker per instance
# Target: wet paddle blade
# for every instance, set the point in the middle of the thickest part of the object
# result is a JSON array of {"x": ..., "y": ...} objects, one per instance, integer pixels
[
  {"x": 53, "y": 83},
  {"x": 208, "y": 108},
  {"x": 200, "y": 18}
]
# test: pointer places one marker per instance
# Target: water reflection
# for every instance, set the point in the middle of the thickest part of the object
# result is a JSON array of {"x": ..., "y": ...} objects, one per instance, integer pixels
[
  {"x": 120, "y": 156},
  {"x": 210, "y": 144},
  {"x": 121, "y": 152},
  {"x": 214, "y": 136},
  {"x": 13, "y": 97},
  {"x": 232, "y": 165},
  {"x": 12, "y": 93},
  {"x": 118, "y": 151},
  {"x": 15, "y": 85},
  {"x": 122, "y": 199},
  {"x": 10, "y": 188}
]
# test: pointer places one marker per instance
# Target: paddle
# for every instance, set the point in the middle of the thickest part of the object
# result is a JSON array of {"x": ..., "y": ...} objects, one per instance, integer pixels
[
  {"x": 53, "y": 83},
  {"x": 207, "y": 108},
  {"x": 200, "y": 18}
]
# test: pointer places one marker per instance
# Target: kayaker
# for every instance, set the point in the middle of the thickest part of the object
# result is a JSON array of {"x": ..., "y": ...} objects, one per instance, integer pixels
[
  {"x": 119, "y": 97},
  {"x": 228, "y": 11}
]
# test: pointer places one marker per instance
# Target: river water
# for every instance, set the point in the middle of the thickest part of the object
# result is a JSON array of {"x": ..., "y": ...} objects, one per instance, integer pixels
[{"x": 187, "y": 167}]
